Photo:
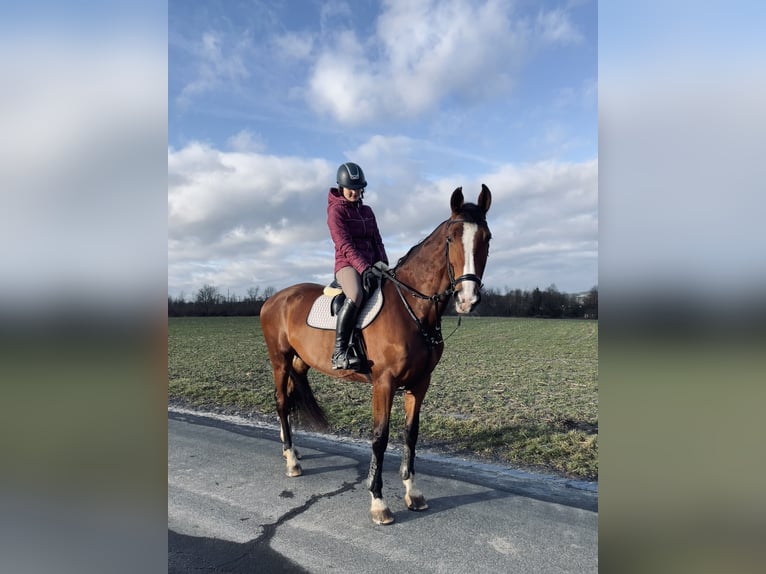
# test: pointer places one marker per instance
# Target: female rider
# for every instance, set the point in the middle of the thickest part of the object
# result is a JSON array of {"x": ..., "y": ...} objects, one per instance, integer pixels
[{"x": 358, "y": 245}]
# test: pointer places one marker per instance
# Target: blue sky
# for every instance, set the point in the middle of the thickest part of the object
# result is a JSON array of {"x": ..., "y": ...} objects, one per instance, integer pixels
[{"x": 267, "y": 98}]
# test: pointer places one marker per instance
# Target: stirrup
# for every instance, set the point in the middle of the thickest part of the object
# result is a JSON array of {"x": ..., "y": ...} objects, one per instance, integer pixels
[{"x": 344, "y": 362}]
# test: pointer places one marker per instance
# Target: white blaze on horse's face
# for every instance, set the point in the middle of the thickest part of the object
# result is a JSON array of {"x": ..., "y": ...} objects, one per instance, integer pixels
[{"x": 468, "y": 295}]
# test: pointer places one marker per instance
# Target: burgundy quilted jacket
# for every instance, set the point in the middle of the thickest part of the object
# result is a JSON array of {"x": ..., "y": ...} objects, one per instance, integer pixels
[{"x": 354, "y": 231}]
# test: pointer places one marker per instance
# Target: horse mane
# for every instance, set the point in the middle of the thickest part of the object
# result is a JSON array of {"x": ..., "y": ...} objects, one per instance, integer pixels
[
  {"x": 469, "y": 213},
  {"x": 415, "y": 248}
]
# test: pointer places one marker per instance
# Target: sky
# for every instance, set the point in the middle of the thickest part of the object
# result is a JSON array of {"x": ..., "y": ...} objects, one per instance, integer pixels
[{"x": 267, "y": 98}]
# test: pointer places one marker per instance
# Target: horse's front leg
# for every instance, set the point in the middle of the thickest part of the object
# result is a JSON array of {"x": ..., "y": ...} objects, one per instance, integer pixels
[
  {"x": 413, "y": 400},
  {"x": 382, "y": 398}
]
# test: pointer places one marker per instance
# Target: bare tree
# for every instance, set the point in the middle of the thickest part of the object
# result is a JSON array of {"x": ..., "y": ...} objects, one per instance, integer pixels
[
  {"x": 207, "y": 297},
  {"x": 253, "y": 293}
]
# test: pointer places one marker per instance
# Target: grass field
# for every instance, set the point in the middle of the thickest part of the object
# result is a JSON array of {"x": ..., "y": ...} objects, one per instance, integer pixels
[{"x": 521, "y": 392}]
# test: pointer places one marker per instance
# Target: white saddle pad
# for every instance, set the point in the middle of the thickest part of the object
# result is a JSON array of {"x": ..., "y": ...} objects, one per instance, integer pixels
[{"x": 321, "y": 318}]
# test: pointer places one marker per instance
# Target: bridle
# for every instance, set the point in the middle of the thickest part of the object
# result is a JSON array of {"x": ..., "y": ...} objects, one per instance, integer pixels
[{"x": 434, "y": 338}]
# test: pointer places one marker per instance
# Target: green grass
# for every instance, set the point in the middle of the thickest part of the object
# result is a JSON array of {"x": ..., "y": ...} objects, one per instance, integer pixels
[{"x": 521, "y": 392}]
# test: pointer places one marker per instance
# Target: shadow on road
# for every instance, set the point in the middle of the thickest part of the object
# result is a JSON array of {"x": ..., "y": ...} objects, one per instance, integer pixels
[
  {"x": 440, "y": 504},
  {"x": 443, "y": 503},
  {"x": 321, "y": 469},
  {"x": 192, "y": 554}
]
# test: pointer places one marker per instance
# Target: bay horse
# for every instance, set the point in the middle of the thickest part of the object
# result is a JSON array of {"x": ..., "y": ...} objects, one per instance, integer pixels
[{"x": 403, "y": 343}]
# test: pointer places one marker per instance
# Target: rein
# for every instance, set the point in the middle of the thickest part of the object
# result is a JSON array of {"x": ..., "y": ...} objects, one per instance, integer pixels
[{"x": 433, "y": 338}]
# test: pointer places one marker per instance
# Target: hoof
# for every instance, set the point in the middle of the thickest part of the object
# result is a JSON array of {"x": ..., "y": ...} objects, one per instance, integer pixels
[
  {"x": 295, "y": 471},
  {"x": 293, "y": 466},
  {"x": 380, "y": 513},
  {"x": 383, "y": 516},
  {"x": 415, "y": 502}
]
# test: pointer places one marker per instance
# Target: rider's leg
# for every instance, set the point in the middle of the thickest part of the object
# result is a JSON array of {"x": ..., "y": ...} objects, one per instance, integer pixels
[{"x": 351, "y": 284}]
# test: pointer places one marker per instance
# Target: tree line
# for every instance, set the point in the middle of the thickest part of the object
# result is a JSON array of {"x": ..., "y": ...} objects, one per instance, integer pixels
[{"x": 549, "y": 303}]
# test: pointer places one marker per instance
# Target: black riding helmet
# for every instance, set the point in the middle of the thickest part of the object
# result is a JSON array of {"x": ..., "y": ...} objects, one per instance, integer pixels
[{"x": 351, "y": 176}]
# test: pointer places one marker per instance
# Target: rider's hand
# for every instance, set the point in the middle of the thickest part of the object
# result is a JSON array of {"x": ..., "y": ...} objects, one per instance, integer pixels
[{"x": 370, "y": 281}]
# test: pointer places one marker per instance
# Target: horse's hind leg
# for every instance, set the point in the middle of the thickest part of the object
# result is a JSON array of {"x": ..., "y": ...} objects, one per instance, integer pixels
[
  {"x": 282, "y": 398},
  {"x": 413, "y": 399}
]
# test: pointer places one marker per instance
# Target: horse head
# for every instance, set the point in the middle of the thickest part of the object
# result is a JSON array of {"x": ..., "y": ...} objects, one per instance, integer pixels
[{"x": 467, "y": 248}]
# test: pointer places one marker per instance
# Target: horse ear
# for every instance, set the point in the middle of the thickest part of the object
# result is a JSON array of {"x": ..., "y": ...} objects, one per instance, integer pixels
[
  {"x": 485, "y": 198},
  {"x": 456, "y": 202}
]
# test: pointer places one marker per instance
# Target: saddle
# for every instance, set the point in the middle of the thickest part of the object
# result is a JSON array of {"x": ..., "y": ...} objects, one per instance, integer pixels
[
  {"x": 335, "y": 291},
  {"x": 324, "y": 311}
]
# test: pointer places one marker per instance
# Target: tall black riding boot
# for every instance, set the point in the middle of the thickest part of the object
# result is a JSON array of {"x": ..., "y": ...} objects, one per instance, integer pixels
[{"x": 341, "y": 357}]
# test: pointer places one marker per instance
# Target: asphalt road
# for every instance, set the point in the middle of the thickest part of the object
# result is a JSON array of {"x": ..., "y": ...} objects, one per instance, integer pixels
[{"x": 232, "y": 509}]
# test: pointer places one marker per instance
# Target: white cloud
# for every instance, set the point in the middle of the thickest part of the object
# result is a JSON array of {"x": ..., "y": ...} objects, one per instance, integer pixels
[
  {"x": 294, "y": 45},
  {"x": 240, "y": 220},
  {"x": 548, "y": 219},
  {"x": 245, "y": 141},
  {"x": 421, "y": 54},
  {"x": 218, "y": 64},
  {"x": 211, "y": 191},
  {"x": 334, "y": 13},
  {"x": 555, "y": 27},
  {"x": 342, "y": 83}
]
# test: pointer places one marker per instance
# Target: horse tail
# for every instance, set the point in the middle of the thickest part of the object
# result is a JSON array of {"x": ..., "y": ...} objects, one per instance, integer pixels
[{"x": 301, "y": 398}]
